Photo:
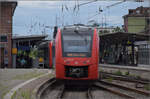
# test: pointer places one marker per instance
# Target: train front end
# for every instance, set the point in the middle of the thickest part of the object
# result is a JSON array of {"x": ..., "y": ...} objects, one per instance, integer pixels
[{"x": 77, "y": 50}]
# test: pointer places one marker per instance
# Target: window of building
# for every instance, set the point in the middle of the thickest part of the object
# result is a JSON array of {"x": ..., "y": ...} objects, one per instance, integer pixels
[
  {"x": 3, "y": 38},
  {"x": 130, "y": 11},
  {"x": 138, "y": 12},
  {"x": 148, "y": 21},
  {"x": 148, "y": 11}
]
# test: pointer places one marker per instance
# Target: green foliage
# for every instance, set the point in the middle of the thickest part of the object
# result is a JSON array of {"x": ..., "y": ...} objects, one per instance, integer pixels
[
  {"x": 104, "y": 31},
  {"x": 5, "y": 92},
  {"x": 26, "y": 94},
  {"x": 138, "y": 77},
  {"x": 20, "y": 52},
  {"x": 119, "y": 73},
  {"x": 118, "y": 29},
  {"x": 33, "y": 53},
  {"x": 147, "y": 87},
  {"x": 127, "y": 73},
  {"x": 101, "y": 70},
  {"x": 14, "y": 95},
  {"x": 109, "y": 79}
]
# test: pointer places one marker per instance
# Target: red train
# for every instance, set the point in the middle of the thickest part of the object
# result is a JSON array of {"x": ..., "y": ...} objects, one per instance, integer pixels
[
  {"x": 51, "y": 54},
  {"x": 77, "y": 53}
]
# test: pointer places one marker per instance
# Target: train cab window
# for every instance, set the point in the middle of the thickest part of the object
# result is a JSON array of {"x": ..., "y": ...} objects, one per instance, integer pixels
[
  {"x": 3, "y": 38},
  {"x": 74, "y": 43},
  {"x": 77, "y": 44}
]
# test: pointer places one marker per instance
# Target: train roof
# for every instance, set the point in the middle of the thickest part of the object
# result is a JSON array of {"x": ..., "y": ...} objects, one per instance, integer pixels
[{"x": 77, "y": 27}]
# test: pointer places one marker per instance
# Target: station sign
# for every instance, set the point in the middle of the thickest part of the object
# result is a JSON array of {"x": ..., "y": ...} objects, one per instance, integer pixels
[
  {"x": 41, "y": 60},
  {"x": 14, "y": 50}
]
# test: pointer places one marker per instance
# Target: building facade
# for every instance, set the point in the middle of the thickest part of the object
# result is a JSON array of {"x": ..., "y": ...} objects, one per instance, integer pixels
[
  {"x": 6, "y": 13},
  {"x": 138, "y": 21}
]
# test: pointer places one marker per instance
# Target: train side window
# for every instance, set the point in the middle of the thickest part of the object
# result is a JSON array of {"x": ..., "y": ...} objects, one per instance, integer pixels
[{"x": 3, "y": 38}]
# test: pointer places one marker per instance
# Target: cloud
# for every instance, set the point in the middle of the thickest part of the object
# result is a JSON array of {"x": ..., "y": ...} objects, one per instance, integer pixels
[
  {"x": 45, "y": 4},
  {"x": 45, "y": 12},
  {"x": 37, "y": 4},
  {"x": 115, "y": 20}
]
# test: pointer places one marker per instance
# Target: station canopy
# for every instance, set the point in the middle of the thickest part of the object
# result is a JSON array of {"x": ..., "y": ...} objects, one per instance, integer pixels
[{"x": 118, "y": 37}]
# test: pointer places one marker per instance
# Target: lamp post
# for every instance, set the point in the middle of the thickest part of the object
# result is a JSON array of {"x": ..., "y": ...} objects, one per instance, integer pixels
[{"x": 133, "y": 40}]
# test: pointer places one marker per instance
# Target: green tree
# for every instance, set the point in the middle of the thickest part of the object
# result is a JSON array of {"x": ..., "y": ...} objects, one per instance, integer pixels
[
  {"x": 33, "y": 53},
  {"x": 118, "y": 29}
]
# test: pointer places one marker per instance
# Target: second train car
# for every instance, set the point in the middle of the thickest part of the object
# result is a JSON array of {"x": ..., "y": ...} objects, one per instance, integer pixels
[{"x": 77, "y": 53}]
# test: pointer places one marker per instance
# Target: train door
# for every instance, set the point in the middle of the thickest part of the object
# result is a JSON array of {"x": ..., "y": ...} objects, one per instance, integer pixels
[
  {"x": 2, "y": 57},
  {"x": 53, "y": 55}
]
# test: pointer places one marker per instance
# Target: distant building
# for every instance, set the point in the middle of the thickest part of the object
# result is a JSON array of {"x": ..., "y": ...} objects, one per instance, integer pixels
[
  {"x": 137, "y": 20},
  {"x": 6, "y": 13}
]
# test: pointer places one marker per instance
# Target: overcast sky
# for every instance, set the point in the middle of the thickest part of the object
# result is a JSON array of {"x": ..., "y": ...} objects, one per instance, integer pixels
[{"x": 31, "y": 17}]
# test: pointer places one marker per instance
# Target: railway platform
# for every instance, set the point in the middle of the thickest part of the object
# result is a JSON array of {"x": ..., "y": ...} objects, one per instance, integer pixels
[
  {"x": 13, "y": 78},
  {"x": 141, "y": 68}
]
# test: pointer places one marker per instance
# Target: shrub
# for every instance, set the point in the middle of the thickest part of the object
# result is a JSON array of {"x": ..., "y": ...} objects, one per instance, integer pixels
[
  {"x": 127, "y": 73},
  {"x": 119, "y": 73},
  {"x": 109, "y": 79}
]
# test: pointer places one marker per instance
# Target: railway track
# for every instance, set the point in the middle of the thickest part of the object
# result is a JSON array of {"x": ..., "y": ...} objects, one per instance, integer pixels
[
  {"x": 124, "y": 78},
  {"x": 41, "y": 90},
  {"x": 54, "y": 89},
  {"x": 121, "y": 90},
  {"x": 51, "y": 89},
  {"x": 89, "y": 93},
  {"x": 61, "y": 92},
  {"x": 71, "y": 92}
]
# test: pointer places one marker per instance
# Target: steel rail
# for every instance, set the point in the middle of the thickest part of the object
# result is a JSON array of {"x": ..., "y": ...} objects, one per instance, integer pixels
[
  {"x": 127, "y": 88},
  {"x": 89, "y": 94},
  {"x": 44, "y": 86},
  {"x": 61, "y": 92},
  {"x": 113, "y": 91}
]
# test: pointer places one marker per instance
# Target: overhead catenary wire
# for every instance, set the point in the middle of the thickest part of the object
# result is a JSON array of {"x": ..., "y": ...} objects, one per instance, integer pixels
[{"x": 107, "y": 7}]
